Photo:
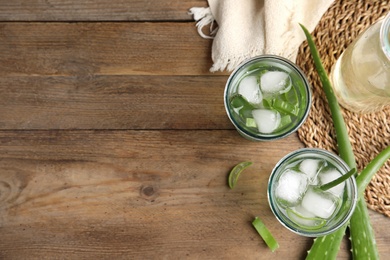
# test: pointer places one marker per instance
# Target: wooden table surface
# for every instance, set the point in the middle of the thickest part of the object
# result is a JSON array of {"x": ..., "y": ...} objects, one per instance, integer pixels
[{"x": 114, "y": 142}]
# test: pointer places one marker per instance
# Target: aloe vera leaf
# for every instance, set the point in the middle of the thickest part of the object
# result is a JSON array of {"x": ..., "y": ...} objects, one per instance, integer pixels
[
  {"x": 265, "y": 234},
  {"x": 343, "y": 142},
  {"x": 346, "y": 153},
  {"x": 337, "y": 181},
  {"x": 362, "y": 235},
  {"x": 364, "y": 178},
  {"x": 326, "y": 247},
  {"x": 360, "y": 245}
]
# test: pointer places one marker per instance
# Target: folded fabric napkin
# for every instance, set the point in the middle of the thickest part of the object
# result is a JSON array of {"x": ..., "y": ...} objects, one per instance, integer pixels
[{"x": 246, "y": 28}]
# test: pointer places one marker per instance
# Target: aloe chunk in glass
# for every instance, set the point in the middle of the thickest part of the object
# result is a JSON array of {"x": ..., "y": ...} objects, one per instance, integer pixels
[
  {"x": 267, "y": 97},
  {"x": 297, "y": 200}
]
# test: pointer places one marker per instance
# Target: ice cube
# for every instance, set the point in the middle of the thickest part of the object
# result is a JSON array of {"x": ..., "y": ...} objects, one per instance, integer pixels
[
  {"x": 331, "y": 175},
  {"x": 303, "y": 212},
  {"x": 267, "y": 120},
  {"x": 291, "y": 187},
  {"x": 310, "y": 167},
  {"x": 275, "y": 81},
  {"x": 319, "y": 203},
  {"x": 249, "y": 88}
]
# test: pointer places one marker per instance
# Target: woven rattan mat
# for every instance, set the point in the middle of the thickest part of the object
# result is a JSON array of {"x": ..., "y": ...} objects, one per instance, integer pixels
[{"x": 369, "y": 133}]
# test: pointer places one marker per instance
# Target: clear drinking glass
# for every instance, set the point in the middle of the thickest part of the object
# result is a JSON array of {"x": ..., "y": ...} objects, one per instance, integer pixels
[
  {"x": 267, "y": 97},
  {"x": 296, "y": 199},
  {"x": 361, "y": 75}
]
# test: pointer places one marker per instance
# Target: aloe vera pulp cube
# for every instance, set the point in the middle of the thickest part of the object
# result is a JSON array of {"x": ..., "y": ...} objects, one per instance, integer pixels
[
  {"x": 296, "y": 199},
  {"x": 267, "y": 97}
]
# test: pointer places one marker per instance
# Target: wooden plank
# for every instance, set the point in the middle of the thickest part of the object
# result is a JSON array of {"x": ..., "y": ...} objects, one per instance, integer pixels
[
  {"x": 86, "y": 76},
  {"x": 141, "y": 195},
  {"x": 135, "y": 194},
  {"x": 113, "y": 102},
  {"x": 96, "y": 10},
  {"x": 86, "y": 49}
]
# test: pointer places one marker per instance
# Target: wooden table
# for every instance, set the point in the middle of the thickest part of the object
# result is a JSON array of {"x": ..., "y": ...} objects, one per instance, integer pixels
[{"x": 114, "y": 142}]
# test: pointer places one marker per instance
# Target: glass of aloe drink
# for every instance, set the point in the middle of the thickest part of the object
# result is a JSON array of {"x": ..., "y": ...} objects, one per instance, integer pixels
[
  {"x": 267, "y": 97},
  {"x": 298, "y": 202}
]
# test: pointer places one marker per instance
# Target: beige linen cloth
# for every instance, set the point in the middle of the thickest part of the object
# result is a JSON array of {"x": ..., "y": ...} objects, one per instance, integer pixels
[{"x": 246, "y": 28}]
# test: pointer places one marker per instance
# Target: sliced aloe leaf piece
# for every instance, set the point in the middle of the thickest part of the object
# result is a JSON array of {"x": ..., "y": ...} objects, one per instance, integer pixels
[
  {"x": 310, "y": 223},
  {"x": 285, "y": 107},
  {"x": 235, "y": 173},
  {"x": 250, "y": 122},
  {"x": 241, "y": 106},
  {"x": 265, "y": 234}
]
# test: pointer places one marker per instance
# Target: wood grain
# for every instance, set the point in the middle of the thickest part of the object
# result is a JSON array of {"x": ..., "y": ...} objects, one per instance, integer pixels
[
  {"x": 97, "y": 10},
  {"x": 107, "y": 76},
  {"x": 113, "y": 102},
  {"x": 97, "y": 194},
  {"x": 83, "y": 194},
  {"x": 87, "y": 49}
]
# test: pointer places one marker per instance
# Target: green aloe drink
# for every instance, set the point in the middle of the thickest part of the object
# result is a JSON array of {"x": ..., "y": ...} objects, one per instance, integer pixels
[
  {"x": 296, "y": 197},
  {"x": 267, "y": 97}
]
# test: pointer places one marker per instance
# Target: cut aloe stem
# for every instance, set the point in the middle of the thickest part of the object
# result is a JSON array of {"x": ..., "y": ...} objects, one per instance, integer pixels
[
  {"x": 364, "y": 178},
  {"x": 243, "y": 107},
  {"x": 265, "y": 234},
  {"x": 337, "y": 181},
  {"x": 285, "y": 107},
  {"x": 235, "y": 173}
]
